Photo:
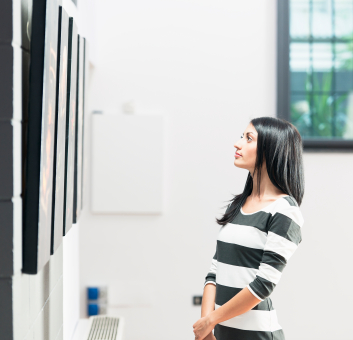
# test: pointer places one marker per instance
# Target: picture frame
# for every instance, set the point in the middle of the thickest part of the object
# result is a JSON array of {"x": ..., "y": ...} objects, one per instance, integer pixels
[
  {"x": 83, "y": 116},
  {"x": 77, "y": 201},
  {"x": 57, "y": 224},
  {"x": 70, "y": 126},
  {"x": 38, "y": 192}
]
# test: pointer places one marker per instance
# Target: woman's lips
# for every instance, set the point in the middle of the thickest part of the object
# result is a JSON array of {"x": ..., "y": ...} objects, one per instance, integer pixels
[{"x": 237, "y": 155}]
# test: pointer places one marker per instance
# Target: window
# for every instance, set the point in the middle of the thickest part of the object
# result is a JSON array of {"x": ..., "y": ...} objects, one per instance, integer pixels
[{"x": 315, "y": 70}]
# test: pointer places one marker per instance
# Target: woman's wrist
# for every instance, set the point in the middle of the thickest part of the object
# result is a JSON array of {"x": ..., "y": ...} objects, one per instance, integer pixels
[{"x": 213, "y": 317}]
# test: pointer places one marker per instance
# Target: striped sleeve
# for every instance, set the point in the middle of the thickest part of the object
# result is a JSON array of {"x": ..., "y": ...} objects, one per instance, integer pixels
[
  {"x": 211, "y": 275},
  {"x": 283, "y": 237}
]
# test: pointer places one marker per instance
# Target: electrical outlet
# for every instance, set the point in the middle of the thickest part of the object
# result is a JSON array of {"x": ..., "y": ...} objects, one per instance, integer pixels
[
  {"x": 95, "y": 293},
  {"x": 97, "y": 300},
  {"x": 197, "y": 300}
]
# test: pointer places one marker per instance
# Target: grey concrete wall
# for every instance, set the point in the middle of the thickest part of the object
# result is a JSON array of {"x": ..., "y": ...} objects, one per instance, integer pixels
[{"x": 30, "y": 305}]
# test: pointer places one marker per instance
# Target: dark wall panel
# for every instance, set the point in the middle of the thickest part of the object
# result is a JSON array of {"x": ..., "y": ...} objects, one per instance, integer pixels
[
  {"x": 6, "y": 83},
  {"x": 6, "y": 157},
  {"x": 6, "y": 238},
  {"x": 6, "y": 21},
  {"x": 6, "y": 320}
]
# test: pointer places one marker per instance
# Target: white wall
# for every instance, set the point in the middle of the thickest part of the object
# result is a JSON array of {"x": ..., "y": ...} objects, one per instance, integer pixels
[
  {"x": 208, "y": 67},
  {"x": 71, "y": 291},
  {"x": 84, "y": 16},
  {"x": 37, "y": 302},
  {"x": 312, "y": 298}
]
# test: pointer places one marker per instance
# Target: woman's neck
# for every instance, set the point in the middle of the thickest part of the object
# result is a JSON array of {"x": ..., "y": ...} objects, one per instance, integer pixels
[{"x": 267, "y": 189}]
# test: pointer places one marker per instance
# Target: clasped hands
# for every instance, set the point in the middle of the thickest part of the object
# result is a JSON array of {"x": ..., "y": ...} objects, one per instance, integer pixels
[{"x": 203, "y": 329}]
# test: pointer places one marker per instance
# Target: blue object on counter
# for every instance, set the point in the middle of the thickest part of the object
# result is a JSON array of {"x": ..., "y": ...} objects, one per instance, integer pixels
[
  {"x": 93, "y": 309},
  {"x": 92, "y": 293}
]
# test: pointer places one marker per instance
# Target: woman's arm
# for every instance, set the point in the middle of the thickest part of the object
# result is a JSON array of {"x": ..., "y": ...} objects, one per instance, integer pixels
[
  {"x": 283, "y": 238},
  {"x": 208, "y": 303},
  {"x": 208, "y": 299},
  {"x": 239, "y": 304}
]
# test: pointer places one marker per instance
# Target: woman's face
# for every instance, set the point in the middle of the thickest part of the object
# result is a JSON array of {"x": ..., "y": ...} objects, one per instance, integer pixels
[{"x": 246, "y": 146}]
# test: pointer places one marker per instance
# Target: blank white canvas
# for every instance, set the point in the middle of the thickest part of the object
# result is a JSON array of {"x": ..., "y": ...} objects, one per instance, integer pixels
[{"x": 127, "y": 174}]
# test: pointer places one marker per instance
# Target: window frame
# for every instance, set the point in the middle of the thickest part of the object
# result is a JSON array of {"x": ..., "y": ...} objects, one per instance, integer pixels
[{"x": 283, "y": 84}]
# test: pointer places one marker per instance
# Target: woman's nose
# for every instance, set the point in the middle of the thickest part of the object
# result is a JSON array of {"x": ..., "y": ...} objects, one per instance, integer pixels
[{"x": 237, "y": 145}]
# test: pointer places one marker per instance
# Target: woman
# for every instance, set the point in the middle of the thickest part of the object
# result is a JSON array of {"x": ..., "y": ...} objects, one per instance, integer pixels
[{"x": 260, "y": 231}]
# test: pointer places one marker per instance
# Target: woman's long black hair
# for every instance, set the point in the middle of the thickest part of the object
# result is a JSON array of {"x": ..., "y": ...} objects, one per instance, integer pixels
[{"x": 280, "y": 145}]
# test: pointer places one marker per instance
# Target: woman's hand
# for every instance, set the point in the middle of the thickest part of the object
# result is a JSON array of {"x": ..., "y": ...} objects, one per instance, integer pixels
[
  {"x": 210, "y": 337},
  {"x": 202, "y": 328}
]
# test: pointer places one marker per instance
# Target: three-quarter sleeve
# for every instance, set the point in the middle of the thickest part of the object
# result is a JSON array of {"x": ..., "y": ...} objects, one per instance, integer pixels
[
  {"x": 211, "y": 275},
  {"x": 283, "y": 238},
  {"x": 212, "y": 272}
]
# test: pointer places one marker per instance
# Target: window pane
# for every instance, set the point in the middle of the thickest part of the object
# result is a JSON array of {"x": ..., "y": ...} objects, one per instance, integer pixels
[
  {"x": 344, "y": 55},
  {"x": 300, "y": 57},
  {"x": 344, "y": 66},
  {"x": 343, "y": 81},
  {"x": 344, "y": 115},
  {"x": 321, "y": 107},
  {"x": 343, "y": 18},
  {"x": 322, "y": 57},
  {"x": 322, "y": 62},
  {"x": 348, "y": 126},
  {"x": 299, "y": 65},
  {"x": 300, "y": 113},
  {"x": 321, "y": 68},
  {"x": 321, "y": 18},
  {"x": 299, "y": 81},
  {"x": 299, "y": 18}
]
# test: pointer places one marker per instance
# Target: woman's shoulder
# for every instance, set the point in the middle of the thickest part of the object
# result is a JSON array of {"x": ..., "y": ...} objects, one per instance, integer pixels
[
  {"x": 288, "y": 206},
  {"x": 291, "y": 201}
]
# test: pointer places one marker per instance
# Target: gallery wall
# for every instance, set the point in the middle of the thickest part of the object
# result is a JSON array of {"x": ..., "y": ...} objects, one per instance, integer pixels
[
  {"x": 208, "y": 68},
  {"x": 33, "y": 306}
]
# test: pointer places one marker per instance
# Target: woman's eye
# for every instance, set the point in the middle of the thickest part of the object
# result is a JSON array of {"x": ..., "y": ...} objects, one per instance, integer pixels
[{"x": 249, "y": 138}]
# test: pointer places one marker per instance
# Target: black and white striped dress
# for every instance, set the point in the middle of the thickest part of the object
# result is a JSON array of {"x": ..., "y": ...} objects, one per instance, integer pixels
[{"x": 252, "y": 252}]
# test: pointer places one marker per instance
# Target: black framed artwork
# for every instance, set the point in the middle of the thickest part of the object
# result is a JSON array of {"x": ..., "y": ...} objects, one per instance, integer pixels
[
  {"x": 60, "y": 133},
  {"x": 70, "y": 126},
  {"x": 38, "y": 193},
  {"x": 79, "y": 132},
  {"x": 83, "y": 115}
]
